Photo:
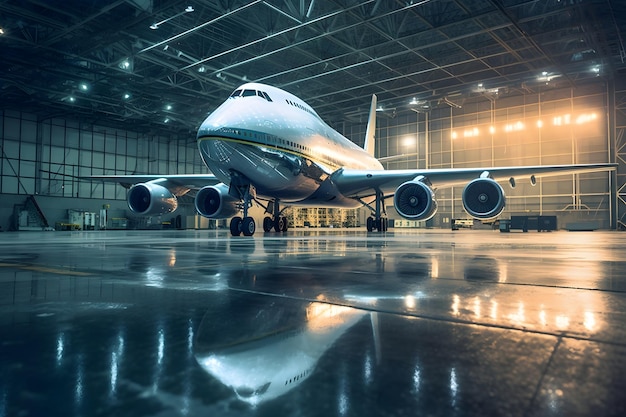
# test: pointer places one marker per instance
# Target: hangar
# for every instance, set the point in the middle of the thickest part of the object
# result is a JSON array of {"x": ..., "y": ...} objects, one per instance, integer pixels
[{"x": 120, "y": 87}]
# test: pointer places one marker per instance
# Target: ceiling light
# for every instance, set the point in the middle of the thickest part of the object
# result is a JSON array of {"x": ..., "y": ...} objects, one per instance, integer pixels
[
  {"x": 155, "y": 26},
  {"x": 168, "y": 107},
  {"x": 202, "y": 69},
  {"x": 84, "y": 86},
  {"x": 167, "y": 120},
  {"x": 1, "y": 31},
  {"x": 126, "y": 96},
  {"x": 126, "y": 64}
]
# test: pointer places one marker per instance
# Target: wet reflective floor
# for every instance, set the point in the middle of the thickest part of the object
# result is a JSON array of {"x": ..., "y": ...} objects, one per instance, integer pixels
[{"x": 313, "y": 323}]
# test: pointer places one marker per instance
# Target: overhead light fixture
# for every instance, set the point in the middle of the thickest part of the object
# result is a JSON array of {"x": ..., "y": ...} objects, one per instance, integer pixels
[
  {"x": 126, "y": 64},
  {"x": 168, "y": 107},
  {"x": 188, "y": 9},
  {"x": 1, "y": 31},
  {"x": 126, "y": 96},
  {"x": 202, "y": 69},
  {"x": 84, "y": 86},
  {"x": 414, "y": 101}
]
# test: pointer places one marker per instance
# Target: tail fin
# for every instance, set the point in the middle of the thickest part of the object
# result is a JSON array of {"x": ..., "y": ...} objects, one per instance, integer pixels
[{"x": 370, "y": 140}]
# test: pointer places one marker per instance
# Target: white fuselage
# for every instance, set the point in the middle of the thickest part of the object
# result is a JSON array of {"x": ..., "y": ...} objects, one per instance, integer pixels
[{"x": 280, "y": 145}]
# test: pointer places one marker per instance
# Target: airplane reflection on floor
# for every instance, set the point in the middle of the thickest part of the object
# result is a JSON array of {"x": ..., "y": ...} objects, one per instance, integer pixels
[{"x": 275, "y": 349}]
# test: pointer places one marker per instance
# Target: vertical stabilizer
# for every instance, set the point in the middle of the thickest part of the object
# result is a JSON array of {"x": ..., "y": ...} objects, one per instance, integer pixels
[{"x": 370, "y": 140}]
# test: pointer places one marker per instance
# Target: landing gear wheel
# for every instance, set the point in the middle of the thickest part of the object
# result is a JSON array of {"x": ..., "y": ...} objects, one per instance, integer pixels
[
  {"x": 268, "y": 224},
  {"x": 280, "y": 225},
  {"x": 248, "y": 226},
  {"x": 235, "y": 226}
]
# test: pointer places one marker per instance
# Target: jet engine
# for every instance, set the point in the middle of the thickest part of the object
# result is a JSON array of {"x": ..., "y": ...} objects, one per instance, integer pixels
[
  {"x": 483, "y": 198},
  {"x": 214, "y": 202},
  {"x": 151, "y": 199},
  {"x": 415, "y": 200}
]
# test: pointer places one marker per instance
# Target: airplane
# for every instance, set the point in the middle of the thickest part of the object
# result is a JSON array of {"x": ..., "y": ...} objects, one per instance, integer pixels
[{"x": 267, "y": 146}]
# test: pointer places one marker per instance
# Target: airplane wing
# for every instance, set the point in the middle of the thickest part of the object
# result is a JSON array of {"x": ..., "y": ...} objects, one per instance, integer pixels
[
  {"x": 363, "y": 183},
  {"x": 181, "y": 183}
]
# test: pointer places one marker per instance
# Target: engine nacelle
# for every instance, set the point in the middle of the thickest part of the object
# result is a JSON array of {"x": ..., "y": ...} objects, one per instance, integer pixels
[
  {"x": 151, "y": 199},
  {"x": 483, "y": 198},
  {"x": 214, "y": 202},
  {"x": 415, "y": 200}
]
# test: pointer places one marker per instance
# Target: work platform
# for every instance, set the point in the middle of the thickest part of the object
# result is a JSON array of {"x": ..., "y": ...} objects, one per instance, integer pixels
[{"x": 313, "y": 323}]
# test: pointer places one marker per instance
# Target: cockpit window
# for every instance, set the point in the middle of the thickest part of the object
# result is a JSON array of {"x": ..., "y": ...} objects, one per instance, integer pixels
[{"x": 251, "y": 93}]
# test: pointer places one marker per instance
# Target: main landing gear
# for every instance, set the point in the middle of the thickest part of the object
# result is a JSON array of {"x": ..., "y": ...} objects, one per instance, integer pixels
[
  {"x": 276, "y": 221},
  {"x": 377, "y": 221},
  {"x": 246, "y": 225}
]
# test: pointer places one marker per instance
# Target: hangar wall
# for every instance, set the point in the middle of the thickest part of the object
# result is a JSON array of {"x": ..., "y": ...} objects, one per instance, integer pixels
[
  {"x": 555, "y": 126},
  {"x": 534, "y": 127},
  {"x": 46, "y": 158}
]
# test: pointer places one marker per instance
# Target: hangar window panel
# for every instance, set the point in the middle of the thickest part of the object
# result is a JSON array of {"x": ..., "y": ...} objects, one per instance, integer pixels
[
  {"x": 85, "y": 171},
  {"x": 98, "y": 159},
  {"x": 109, "y": 143},
  {"x": 98, "y": 142},
  {"x": 120, "y": 163},
  {"x": 29, "y": 131},
  {"x": 110, "y": 191},
  {"x": 85, "y": 158},
  {"x": 57, "y": 154},
  {"x": 86, "y": 140},
  {"x": 131, "y": 164},
  {"x": 9, "y": 185},
  {"x": 556, "y": 203},
  {"x": 11, "y": 149},
  {"x": 26, "y": 185},
  {"x": 120, "y": 144},
  {"x": 71, "y": 156},
  {"x": 85, "y": 190},
  {"x": 109, "y": 161},
  {"x": 592, "y": 185},
  {"x": 131, "y": 146},
  {"x": 10, "y": 166},
  {"x": 11, "y": 128},
  {"x": 27, "y": 169},
  {"x": 72, "y": 138}
]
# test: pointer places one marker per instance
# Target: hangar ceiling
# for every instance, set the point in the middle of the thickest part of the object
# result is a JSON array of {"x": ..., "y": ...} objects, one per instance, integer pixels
[{"x": 161, "y": 65}]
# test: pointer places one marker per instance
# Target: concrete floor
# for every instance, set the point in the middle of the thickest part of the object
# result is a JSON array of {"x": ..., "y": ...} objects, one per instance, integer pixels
[{"x": 313, "y": 323}]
